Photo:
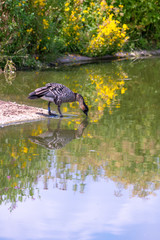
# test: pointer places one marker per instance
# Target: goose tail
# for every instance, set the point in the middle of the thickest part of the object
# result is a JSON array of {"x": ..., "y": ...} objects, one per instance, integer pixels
[
  {"x": 38, "y": 93},
  {"x": 32, "y": 95}
]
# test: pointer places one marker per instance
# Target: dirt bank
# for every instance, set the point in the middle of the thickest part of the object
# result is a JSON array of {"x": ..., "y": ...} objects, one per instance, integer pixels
[
  {"x": 13, "y": 113},
  {"x": 74, "y": 59}
]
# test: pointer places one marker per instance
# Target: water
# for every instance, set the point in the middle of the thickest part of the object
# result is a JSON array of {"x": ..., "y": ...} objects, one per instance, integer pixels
[{"x": 78, "y": 178}]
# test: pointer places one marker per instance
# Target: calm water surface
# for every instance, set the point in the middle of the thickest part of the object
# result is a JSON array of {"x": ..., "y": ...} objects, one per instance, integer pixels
[{"x": 78, "y": 178}]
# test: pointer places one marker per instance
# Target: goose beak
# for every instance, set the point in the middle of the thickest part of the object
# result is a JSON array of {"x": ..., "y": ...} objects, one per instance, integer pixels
[{"x": 86, "y": 112}]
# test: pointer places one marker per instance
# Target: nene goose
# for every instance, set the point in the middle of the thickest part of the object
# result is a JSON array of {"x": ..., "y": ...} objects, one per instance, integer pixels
[{"x": 58, "y": 94}]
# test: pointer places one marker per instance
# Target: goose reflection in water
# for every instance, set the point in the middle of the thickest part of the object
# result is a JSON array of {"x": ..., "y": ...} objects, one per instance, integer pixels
[{"x": 58, "y": 138}]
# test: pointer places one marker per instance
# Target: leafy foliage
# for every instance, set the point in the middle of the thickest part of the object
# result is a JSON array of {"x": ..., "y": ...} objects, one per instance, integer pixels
[
  {"x": 143, "y": 20},
  {"x": 94, "y": 28},
  {"x": 91, "y": 27}
]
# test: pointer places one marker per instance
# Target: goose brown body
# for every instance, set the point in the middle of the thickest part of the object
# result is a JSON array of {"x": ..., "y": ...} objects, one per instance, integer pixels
[{"x": 58, "y": 94}]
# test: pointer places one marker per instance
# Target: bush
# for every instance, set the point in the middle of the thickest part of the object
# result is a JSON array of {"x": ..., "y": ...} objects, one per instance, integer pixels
[
  {"x": 91, "y": 27},
  {"x": 143, "y": 20},
  {"x": 25, "y": 27},
  {"x": 34, "y": 28}
]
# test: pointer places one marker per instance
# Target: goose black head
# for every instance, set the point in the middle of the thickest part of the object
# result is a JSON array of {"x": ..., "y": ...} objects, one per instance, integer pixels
[
  {"x": 85, "y": 109},
  {"x": 82, "y": 104}
]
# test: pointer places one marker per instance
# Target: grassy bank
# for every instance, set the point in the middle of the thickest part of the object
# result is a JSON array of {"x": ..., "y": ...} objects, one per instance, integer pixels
[{"x": 36, "y": 32}]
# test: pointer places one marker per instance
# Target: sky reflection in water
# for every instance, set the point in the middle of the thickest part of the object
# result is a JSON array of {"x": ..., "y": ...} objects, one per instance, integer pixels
[{"x": 96, "y": 214}]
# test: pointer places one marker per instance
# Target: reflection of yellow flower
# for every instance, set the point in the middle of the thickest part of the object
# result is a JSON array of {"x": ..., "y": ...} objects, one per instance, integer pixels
[
  {"x": 107, "y": 92},
  {"x": 25, "y": 149},
  {"x": 24, "y": 164},
  {"x": 65, "y": 109},
  {"x": 13, "y": 154},
  {"x": 123, "y": 90}
]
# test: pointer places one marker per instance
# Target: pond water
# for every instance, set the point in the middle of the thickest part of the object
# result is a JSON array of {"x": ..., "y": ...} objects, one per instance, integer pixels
[{"x": 84, "y": 178}]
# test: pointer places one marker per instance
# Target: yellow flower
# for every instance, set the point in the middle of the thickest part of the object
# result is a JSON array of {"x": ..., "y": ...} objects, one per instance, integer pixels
[
  {"x": 66, "y": 4},
  {"x": 45, "y": 23},
  {"x": 125, "y": 27},
  {"x": 92, "y": 4},
  {"x": 83, "y": 19},
  {"x": 102, "y": 3},
  {"x": 42, "y": 3},
  {"x": 67, "y": 9},
  {"x": 85, "y": 11},
  {"x": 29, "y": 30}
]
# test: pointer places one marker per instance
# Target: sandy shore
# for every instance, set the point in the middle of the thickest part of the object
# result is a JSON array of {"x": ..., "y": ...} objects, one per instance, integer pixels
[{"x": 13, "y": 113}]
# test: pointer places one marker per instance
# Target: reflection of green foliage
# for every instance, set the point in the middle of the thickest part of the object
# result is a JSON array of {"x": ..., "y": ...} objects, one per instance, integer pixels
[{"x": 19, "y": 165}]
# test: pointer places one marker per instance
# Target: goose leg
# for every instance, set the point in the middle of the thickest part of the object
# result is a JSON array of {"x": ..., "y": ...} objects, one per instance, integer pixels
[
  {"x": 59, "y": 110},
  {"x": 49, "y": 109}
]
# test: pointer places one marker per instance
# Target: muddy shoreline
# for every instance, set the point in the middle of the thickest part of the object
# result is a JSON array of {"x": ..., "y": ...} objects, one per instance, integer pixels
[
  {"x": 12, "y": 113},
  {"x": 75, "y": 59}
]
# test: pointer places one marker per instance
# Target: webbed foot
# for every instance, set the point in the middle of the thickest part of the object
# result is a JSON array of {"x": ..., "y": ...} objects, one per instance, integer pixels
[{"x": 52, "y": 114}]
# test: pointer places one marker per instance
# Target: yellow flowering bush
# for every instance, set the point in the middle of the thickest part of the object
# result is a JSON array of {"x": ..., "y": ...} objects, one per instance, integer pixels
[
  {"x": 109, "y": 39},
  {"x": 92, "y": 28}
]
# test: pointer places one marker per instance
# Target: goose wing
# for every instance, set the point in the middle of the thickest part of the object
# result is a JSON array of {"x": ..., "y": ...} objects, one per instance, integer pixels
[
  {"x": 54, "y": 92},
  {"x": 38, "y": 93},
  {"x": 59, "y": 93}
]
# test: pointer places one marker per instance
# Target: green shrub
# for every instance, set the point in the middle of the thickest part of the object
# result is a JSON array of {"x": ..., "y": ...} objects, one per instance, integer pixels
[
  {"x": 25, "y": 26},
  {"x": 92, "y": 28},
  {"x": 31, "y": 29},
  {"x": 143, "y": 19}
]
